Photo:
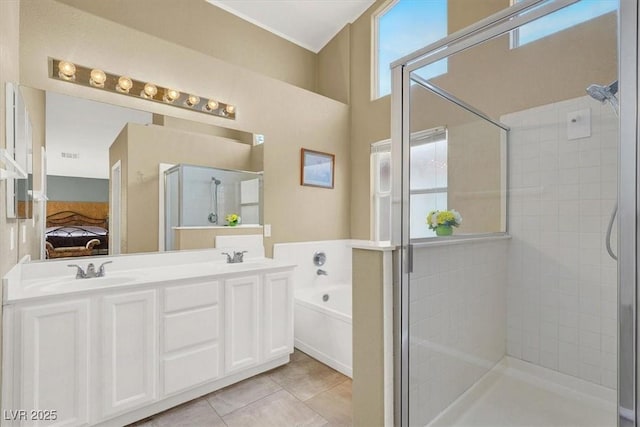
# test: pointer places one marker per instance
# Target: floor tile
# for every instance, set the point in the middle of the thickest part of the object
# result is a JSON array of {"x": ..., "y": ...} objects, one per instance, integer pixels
[
  {"x": 334, "y": 405},
  {"x": 306, "y": 377},
  {"x": 241, "y": 394},
  {"x": 197, "y": 413},
  {"x": 298, "y": 356},
  {"x": 280, "y": 409}
]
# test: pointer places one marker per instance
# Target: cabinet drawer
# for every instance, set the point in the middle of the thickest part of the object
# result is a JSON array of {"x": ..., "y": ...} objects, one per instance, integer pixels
[
  {"x": 190, "y": 328},
  {"x": 190, "y": 296},
  {"x": 187, "y": 370}
]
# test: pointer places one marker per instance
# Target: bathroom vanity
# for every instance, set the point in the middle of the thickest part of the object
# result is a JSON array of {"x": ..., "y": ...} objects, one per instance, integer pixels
[{"x": 157, "y": 330}]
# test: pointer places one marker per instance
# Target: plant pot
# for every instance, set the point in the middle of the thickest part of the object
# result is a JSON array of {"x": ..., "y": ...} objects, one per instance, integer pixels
[
  {"x": 444, "y": 230},
  {"x": 233, "y": 224}
]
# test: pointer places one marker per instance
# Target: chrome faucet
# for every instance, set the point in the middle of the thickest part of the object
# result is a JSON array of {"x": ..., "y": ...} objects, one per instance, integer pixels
[
  {"x": 322, "y": 272},
  {"x": 91, "y": 270},
  {"x": 237, "y": 257}
]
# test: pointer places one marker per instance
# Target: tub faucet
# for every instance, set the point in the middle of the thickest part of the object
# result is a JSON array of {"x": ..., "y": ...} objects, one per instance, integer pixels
[
  {"x": 321, "y": 272},
  {"x": 91, "y": 270},
  {"x": 237, "y": 257}
]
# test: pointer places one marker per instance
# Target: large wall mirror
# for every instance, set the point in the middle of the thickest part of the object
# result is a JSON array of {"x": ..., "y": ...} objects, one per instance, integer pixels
[
  {"x": 19, "y": 137},
  {"x": 105, "y": 176}
]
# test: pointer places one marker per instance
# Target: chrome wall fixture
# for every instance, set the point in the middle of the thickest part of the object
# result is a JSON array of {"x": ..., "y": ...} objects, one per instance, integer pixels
[{"x": 94, "y": 77}]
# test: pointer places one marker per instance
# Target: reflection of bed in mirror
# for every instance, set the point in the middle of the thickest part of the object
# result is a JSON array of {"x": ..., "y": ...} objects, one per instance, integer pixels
[{"x": 71, "y": 234}]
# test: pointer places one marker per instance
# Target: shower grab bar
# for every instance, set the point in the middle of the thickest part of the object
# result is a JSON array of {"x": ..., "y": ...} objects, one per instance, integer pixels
[{"x": 609, "y": 228}]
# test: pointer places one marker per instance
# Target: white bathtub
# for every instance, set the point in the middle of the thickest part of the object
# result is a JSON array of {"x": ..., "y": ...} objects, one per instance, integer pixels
[{"x": 323, "y": 329}]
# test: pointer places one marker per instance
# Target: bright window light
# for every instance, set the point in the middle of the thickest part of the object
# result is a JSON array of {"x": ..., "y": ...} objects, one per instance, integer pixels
[
  {"x": 564, "y": 18},
  {"x": 404, "y": 27}
]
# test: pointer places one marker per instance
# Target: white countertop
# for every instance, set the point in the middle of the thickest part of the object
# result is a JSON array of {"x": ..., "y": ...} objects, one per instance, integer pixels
[{"x": 20, "y": 284}]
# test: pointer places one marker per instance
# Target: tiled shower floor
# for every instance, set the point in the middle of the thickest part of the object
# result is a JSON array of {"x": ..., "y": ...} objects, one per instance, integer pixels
[
  {"x": 518, "y": 394},
  {"x": 302, "y": 392}
]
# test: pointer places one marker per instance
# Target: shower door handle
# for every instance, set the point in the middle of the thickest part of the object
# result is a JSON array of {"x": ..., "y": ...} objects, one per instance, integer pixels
[{"x": 410, "y": 258}]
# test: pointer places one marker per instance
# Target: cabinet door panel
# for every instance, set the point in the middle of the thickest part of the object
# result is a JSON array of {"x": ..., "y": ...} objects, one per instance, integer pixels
[
  {"x": 241, "y": 322},
  {"x": 278, "y": 315},
  {"x": 129, "y": 350},
  {"x": 55, "y": 358},
  {"x": 190, "y": 328},
  {"x": 190, "y": 296},
  {"x": 192, "y": 368}
]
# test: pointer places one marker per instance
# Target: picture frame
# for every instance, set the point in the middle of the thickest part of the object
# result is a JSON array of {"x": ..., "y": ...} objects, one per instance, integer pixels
[{"x": 317, "y": 169}]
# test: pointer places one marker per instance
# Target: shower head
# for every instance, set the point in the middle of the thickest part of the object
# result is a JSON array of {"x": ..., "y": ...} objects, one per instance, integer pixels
[
  {"x": 603, "y": 93},
  {"x": 215, "y": 181}
]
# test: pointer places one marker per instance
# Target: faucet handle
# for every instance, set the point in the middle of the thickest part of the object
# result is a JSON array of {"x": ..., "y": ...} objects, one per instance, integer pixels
[
  {"x": 101, "y": 270},
  {"x": 80, "y": 274},
  {"x": 229, "y": 259},
  {"x": 239, "y": 256}
]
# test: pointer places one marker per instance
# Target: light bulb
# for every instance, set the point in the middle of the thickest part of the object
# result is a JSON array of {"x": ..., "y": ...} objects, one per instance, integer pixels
[
  {"x": 124, "y": 84},
  {"x": 192, "y": 100},
  {"x": 211, "y": 105},
  {"x": 170, "y": 95},
  {"x": 230, "y": 109},
  {"x": 150, "y": 90},
  {"x": 66, "y": 70},
  {"x": 98, "y": 77}
]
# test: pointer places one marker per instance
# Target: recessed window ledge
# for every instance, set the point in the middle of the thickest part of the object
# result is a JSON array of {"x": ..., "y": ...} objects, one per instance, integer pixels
[{"x": 458, "y": 239}]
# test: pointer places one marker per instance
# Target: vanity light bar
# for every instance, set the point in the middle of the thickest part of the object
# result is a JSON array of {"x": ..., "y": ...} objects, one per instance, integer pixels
[{"x": 125, "y": 85}]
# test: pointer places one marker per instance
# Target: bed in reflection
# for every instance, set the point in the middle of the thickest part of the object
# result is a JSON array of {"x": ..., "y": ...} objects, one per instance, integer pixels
[{"x": 72, "y": 234}]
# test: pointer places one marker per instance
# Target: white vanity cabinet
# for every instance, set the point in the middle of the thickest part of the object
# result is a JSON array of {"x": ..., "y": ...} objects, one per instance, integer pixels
[
  {"x": 191, "y": 328},
  {"x": 51, "y": 364},
  {"x": 242, "y": 326},
  {"x": 114, "y": 355},
  {"x": 128, "y": 338},
  {"x": 278, "y": 315}
]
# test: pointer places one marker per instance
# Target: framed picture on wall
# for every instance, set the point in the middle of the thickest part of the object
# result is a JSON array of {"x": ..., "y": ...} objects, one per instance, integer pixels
[{"x": 316, "y": 168}]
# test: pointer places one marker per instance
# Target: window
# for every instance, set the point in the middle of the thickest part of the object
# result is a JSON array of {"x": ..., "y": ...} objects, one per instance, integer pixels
[
  {"x": 404, "y": 26},
  {"x": 428, "y": 183},
  {"x": 561, "y": 20},
  {"x": 428, "y": 179},
  {"x": 381, "y": 191}
]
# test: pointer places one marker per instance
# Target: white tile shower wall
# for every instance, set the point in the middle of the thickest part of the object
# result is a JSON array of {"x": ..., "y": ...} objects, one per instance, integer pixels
[
  {"x": 457, "y": 321},
  {"x": 562, "y": 284},
  {"x": 337, "y": 265}
]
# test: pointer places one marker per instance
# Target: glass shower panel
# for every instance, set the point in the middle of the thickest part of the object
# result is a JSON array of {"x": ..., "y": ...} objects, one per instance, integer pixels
[
  {"x": 172, "y": 206},
  {"x": 457, "y": 316},
  {"x": 529, "y": 152},
  {"x": 201, "y": 196}
]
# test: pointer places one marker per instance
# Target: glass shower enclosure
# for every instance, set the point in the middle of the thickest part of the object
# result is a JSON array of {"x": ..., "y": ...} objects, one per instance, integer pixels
[
  {"x": 200, "y": 196},
  {"x": 524, "y": 292}
]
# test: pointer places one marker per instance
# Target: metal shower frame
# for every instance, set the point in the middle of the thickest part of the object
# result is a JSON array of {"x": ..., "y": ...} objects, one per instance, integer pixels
[{"x": 628, "y": 184}]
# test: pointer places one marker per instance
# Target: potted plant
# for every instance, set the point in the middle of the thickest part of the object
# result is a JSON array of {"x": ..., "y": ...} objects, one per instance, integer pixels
[
  {"x": 232, "y": 220},
  {"x": 442, "y": 222}
]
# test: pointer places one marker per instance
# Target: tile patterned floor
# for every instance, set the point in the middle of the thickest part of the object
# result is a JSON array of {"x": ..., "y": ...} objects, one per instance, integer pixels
[{"x": 303, "y": 392}]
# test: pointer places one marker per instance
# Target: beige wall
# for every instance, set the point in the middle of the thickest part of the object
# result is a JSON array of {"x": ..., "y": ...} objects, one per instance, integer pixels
[
  {"x": 197, "y": 25},
  {"x": 146, "y": 148},
  {"x": 334, "y": 62},
  {"x": 368, "y": 338},
  {"x": 9, "y": 72},
  {"x": 289, "y": 117},
  {"x": 204, "y": 238},
  {"x": 475, "y": 176}
]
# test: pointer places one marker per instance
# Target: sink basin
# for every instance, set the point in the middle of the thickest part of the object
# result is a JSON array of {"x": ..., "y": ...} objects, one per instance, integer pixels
[{"x": 72, "y": 284}]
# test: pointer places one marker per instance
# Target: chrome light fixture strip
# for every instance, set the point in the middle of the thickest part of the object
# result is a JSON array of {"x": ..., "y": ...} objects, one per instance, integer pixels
[{"x": 98, "y": 79}]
